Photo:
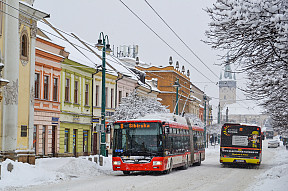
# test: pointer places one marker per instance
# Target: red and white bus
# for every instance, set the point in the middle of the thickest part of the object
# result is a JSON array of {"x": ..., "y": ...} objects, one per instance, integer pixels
[{"x": 156, "y": 145}]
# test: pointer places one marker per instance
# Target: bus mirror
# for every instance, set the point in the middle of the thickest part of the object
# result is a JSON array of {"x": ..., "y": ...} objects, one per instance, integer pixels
[{"x": 167, "y": 129}]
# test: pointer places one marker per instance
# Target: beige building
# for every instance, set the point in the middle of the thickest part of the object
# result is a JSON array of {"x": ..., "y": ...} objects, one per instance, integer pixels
[{"x": 17, "y": 39}]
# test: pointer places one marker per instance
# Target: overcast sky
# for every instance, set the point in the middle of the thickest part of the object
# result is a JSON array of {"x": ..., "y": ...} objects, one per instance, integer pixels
[{"x": 87, "y": 18}]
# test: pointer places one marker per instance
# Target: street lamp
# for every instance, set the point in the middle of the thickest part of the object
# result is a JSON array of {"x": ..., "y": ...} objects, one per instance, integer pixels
[
  {"x": 177, "y": 85},
  {"x": 101, "y": 45}
]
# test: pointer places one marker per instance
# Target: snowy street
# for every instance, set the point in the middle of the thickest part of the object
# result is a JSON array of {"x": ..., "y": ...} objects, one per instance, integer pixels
[{"x": 211, "y": 175}]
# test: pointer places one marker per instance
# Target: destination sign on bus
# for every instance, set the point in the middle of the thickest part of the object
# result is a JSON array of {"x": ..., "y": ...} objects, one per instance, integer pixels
[{"x": 135, "y": 125}]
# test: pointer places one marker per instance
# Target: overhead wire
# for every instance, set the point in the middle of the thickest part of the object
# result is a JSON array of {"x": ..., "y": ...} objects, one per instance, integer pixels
[
  {"x": 92, "y": 45},
  {"x": 180, "y": 38},
  {"x": 165, "y": 41}
]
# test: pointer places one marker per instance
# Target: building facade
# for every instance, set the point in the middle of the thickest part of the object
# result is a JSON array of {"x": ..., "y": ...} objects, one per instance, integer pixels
[
  {"x": 18, "y": 38},
  {"x": 190, "y": 98},
  {"x": 47, "y": 96},
  {"x": 76, "y": 109}
]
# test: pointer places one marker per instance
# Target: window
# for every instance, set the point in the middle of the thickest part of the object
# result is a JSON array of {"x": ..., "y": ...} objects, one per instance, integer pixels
[
  {"x": 67, "y": 88},
  {"x": 76, "y": 92},
  {"x": 44, "y": 139},
  {"x": 85, "y": 141},
  {"x": 24, "y": 45},
  {"x": 119, "y": 97},
  {"x": 106, "y": 97},
  {"x": 55, "y": 89},
  {"x": 112, "y": 97},
  {"x": 86, "y": 94},
  {"x": 35, "y": 137},
  {"x": 23, "y": 130},
  {"x": 37, "y": 85},
  {"x": 127, "y": 94},
  {"x": 46, "y": 87},
  {"x": 97, "y": 95},
  {"x": 66, "y": 141}
]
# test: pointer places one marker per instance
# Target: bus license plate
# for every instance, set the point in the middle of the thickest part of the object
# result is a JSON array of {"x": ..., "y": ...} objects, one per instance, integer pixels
[{"x": 240, "y": 161}]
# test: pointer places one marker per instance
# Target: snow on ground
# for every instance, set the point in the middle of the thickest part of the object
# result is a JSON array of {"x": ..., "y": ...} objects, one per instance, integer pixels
[
  {"x": 50, "y": 170},
  {"x": 273, "y": 174},
  {"x": 275, "y": 178}
]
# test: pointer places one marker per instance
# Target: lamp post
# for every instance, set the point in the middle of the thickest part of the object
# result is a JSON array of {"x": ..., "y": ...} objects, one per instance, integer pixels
[
  {"x": 205, "y": 98},
  {"x": 101, "y": 45},
  {"x": 177, "y": 85}
]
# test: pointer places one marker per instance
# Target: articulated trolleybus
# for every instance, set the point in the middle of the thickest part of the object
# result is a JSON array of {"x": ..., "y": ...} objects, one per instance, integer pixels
[
  {"x": 156, "y": 145},
  {"x": 240, "y": 144}
]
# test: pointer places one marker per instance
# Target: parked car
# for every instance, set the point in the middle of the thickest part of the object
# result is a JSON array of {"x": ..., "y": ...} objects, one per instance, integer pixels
[{"x": 273, "y": 143}]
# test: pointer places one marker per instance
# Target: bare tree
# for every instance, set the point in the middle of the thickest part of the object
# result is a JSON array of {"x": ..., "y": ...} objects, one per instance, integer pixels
[{"x": 255, "y": 33}]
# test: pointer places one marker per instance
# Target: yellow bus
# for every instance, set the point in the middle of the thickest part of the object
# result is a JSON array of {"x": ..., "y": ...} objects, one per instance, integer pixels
[{"x": 240, "y": 144}]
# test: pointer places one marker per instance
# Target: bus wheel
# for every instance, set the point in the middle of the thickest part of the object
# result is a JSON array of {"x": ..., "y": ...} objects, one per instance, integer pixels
[
  {"x": 199, "y": 162},
  {"x": 126, "y": 172}
]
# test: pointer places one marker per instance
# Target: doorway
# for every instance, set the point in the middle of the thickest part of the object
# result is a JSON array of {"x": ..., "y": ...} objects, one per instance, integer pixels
[{"x": 54, "y": 135}]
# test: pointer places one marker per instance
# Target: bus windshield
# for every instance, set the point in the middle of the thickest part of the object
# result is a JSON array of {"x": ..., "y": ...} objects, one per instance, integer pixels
[
  {"x": 138, "y": 139},
  {"x": 241, "y": 136}
]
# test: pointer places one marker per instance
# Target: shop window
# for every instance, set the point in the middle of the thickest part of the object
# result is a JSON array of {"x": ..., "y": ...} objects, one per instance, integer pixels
[
  {"x": 66, "y": 141},
  {"x": 85, "y": 141},
  {"x": 34, "y": 137}
]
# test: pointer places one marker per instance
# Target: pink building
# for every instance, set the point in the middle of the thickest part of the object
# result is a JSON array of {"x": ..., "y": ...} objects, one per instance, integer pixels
[{"x": 47, "y": 96}]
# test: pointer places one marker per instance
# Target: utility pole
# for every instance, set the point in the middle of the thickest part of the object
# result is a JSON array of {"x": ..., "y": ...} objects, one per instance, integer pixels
[
  {"x": 219, "y": 113},
  {"x": 227, "y": 114},
  {"x": 105, "y": 49},
  {"x": 205, "y": 98},
  {"x": 177, "y": 85}
]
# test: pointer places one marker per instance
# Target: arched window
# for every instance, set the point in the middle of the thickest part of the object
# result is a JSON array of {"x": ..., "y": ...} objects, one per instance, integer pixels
[{"x": 24, "y": 45}]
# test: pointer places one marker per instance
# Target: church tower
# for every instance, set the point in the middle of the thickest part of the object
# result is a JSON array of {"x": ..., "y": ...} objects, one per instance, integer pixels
[{"x": 227, "y": 87}]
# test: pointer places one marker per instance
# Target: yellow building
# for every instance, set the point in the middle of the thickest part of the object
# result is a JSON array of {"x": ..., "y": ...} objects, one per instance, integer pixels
[{"x": 17, "y": 41}]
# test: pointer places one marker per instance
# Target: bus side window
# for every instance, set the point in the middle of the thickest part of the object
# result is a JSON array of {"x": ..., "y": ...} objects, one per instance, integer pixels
[{"x": 195, "y": 140}]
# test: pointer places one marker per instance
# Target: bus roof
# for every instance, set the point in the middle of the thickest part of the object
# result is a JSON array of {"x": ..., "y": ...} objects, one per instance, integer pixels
[
  {"x": 171, "y": 123},
  {"x": 242, "y": 124},
  {"x": 139, "y": 120}
]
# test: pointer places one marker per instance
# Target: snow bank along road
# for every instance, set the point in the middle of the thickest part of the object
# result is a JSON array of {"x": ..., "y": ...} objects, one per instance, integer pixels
[{"x": 211, "y": 175}]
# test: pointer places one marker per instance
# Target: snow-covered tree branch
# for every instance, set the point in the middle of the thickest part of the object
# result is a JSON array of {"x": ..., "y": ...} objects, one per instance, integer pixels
[
  {"x": 255, "y": 35},
  {"x": 134, "y": 106}
]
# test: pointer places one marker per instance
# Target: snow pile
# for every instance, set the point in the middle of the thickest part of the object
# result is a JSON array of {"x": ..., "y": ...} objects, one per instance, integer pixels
[
  {"x": 276, "y": 178},
  {"x": 73, "y": 167},
  {"x": 25, "y": 174},
  {"x": 51, "y": 170}
]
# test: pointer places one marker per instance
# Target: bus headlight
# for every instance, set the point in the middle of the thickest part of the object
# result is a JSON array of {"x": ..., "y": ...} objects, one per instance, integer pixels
[
  {"x": 116, "y": 162},
  {"x": 157, "y": 163}
]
